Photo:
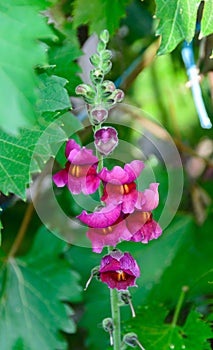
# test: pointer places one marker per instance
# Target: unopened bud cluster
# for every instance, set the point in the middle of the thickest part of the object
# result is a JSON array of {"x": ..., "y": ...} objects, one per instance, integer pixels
[{"x": 101, "y": 96}]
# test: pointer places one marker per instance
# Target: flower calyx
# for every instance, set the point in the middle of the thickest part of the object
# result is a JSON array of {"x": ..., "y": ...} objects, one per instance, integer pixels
[
  {"x": 107, "y": 325},
  {"x": 126, "y": 299},
  {"x": 94, "y": 273},
  {"x": 131, "y": 339}
]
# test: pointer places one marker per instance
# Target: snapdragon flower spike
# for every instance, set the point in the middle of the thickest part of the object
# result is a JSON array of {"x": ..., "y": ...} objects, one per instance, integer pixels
[
  {"x": 119, "y": 185},
  {"x": 80, "y": 173},
  {"x": 119, "y": 270},
  {"x": 106, "y": 139},
  {"x": 140, "y": 223},
  {"x": 107, "y": 227}
]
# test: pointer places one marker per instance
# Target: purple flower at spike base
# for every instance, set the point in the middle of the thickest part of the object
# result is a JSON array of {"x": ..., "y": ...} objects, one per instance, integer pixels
[
  {"x": 106, "y": 139},
  {"x": 107, "y": 227},
  {"x": 80, "y": 173},
  {"x": 119, "y": 270},
  {"x": 119, "y": 185}
]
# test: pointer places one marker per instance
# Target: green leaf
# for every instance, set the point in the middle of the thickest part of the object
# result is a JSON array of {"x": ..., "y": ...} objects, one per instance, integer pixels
[
  {"x": 154, "y": 333},
  {"x": 21, "y": 27},
  {"x": 33, "y": 290},
  {"x": 207, "y": 19},
  {"x": 177, "y": 21},
  {"x": 28, "y": 153},
  {"x": 53, "y": 95},
  {"x": 99, "y": 14},
  {"x": 63, "y": 54}
]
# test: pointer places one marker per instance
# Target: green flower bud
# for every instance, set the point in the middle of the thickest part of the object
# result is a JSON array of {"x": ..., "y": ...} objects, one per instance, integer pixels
[
  {"x": 96, "y": 76},
  {"x": 85, "y": 90},
  {"x": 101, "y": 46},
  {"x": 106, "y": 66},
  {"x": 108, "y": 85},
  {"x": 106, "y": 55},
  {"x": 104, "y": 36},
  {"x": 95, "y": 60}
]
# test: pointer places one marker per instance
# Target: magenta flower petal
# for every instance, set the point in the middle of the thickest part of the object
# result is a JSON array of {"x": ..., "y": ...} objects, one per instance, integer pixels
[
  {"x": 108, "y": 236},
  {"x": 142, "y": 227},
  {"x": 105, "y": 217},
  {"x": 70, "y": 146},
  {"x": 80, "y": 173},
  {"x": 119, "y": 270},
  {"x": 149, "y": 199},
  {"x": 151, "y": 230},
  {"x": 125, "y": 194},
  {"x": 61, "y": 178},
  {"x": 119, "y": 176},
  {"x": 82, "y": 157}
]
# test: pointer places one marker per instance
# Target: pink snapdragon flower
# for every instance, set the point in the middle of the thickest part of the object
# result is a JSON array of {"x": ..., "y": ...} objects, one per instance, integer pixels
[
  {"x": 140, "y": 223},
  {"x": 119, "y": 270},
  {"x": 119, "y": 185},
  {"x": 107, "y": 227},
  {"x": 80, "y": 173}
]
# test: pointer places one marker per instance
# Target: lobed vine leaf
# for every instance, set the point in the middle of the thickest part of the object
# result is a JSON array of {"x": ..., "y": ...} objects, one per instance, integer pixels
[
  {"x": 21, "y": 51},
  {"x": 33, "y": 290},
  {"x": 207, "y": 19},
  {"x": 99, "y": 14},
  {"x": 177, "y": 22},
  {"x": 28, "y": 153},
  {"x": 22, "y": 155},
  {"x": 154, "y": 332},
  {"x": 53, "y": 95}
]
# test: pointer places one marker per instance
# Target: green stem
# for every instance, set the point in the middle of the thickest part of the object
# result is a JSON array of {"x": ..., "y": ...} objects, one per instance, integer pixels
[
  {"x": 114, "y": 298},
  {"x": 115, "y": 310},
  {"x": 179, "y": 305}
]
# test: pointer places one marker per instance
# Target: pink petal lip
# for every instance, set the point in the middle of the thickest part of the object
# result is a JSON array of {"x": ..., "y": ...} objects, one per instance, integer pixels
[
  {"x": 109, "y": 236},
  {"x": 149, "y": 199},
  {"x": 120, "y": 176},
  {"x": 105, "y": 217}
]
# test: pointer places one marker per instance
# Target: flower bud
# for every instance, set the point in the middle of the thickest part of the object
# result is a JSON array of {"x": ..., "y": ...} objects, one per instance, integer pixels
[
  {"x": 106, "y": 55},
  {"x": 106, "y": 66},
  {"x": 106, "y": 139},
  {"x": 119, "y": 95},
  {"x": 98, "y": 115},
  {"x": 101, "y": 46},
  {"x": 84, "y": 90},
  {"x": 96, "y": 76},
  {"x": 104, "y": 36},
  {"x": 108, "y": 85},
  {"x": 95, "y": 60}
]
